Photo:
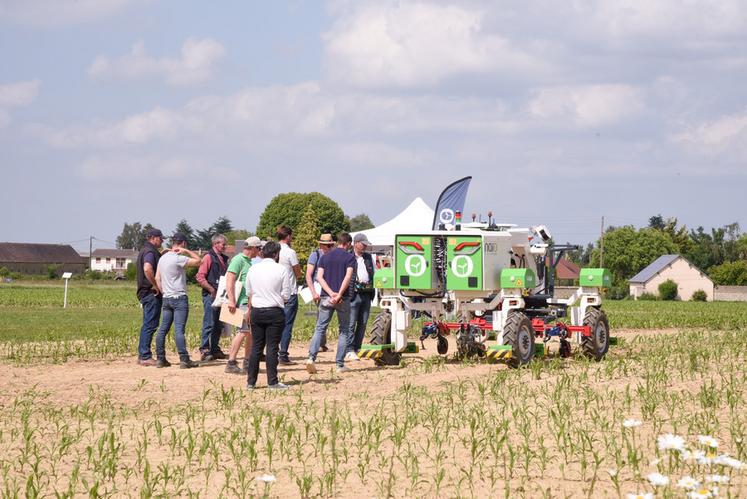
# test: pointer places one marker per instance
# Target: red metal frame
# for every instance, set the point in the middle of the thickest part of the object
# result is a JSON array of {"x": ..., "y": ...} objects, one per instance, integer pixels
[{"x": 539, "y": 326}]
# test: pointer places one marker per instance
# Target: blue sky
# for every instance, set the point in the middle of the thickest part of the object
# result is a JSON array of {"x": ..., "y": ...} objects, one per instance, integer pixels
[{"x": 115, "y": 111}]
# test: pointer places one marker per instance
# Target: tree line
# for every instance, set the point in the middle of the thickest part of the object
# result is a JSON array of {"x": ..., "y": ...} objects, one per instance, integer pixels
[{"x": 720, "y": 252}]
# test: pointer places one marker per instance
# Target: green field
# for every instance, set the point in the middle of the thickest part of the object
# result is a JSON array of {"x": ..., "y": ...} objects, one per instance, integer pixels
[{"x": 103, "y": 319}]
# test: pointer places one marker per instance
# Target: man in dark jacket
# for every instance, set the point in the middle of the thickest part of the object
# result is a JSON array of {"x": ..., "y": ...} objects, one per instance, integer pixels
[
  {"x": 149, "y": 294},
  {"x": 360, "y": 305},
  {"x": 214, "y": 265}
]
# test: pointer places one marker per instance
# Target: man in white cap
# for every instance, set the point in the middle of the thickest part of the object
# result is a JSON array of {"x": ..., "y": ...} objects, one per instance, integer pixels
[
  {"x": 236, "y": 273},
  {"x": 363, "y": 293}
]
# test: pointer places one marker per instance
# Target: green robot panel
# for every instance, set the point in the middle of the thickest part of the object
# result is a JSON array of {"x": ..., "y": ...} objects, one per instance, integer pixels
[
  {"x": 414, "y": 262},
  {"x": 464, "y": 263}
]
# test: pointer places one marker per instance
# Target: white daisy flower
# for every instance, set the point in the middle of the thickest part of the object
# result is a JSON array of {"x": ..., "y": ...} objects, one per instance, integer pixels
[
  {"x": 725, "y": 460},
  {"x": 699, "y": 494},
  {"x": 632, "y": 423},
  {"x": 644, "y": 495},
  {"x": 717, "y": 478},
  {"x": 703, "y": 458},
  {"x": 671, "y": 442},
  {"x": 688, "y": 483},
  {"x": 708, "y": 441},
  {"x": 266, "y": 478},
  {"x": 658, "y": 480}
]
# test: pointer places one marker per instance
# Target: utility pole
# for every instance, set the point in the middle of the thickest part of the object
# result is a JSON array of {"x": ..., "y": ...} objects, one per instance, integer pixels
[
  {"x": 601, "y": 245},
  {"x": 90, "y": 250}
]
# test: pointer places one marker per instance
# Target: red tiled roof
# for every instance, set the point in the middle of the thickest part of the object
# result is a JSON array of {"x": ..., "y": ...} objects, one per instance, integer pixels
[
  {"x": 566, "y": 269},
  {"x": 38, "y": 253}
]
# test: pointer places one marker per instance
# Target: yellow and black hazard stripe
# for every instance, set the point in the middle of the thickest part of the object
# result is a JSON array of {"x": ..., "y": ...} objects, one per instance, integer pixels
[
  {"x": 497, "y": 355},
  {"x": 370, "y": 354}
]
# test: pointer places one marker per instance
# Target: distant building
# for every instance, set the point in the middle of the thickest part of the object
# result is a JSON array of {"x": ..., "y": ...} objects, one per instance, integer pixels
[
  {"x": 30, "y": 258},
  {"x": 688, "y": 277},
  {"x": 112, "y": 260},
  {"x": 566, "y": 273}
]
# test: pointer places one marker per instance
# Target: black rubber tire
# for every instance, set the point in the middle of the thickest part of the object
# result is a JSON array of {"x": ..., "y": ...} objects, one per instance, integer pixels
[
  {"x": 442, "y": 346},
  {"x": 596, "y": 345},
  {"x": 381, "y": 335},
  {"x": 519, "y": 333}
]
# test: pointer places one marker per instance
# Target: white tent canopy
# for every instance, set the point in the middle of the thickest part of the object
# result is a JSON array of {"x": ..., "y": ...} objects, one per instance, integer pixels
[{"x": 416, "y": 218}]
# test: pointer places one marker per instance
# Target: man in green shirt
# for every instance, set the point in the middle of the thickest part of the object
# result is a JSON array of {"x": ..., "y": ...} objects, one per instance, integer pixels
[{"x": 235, "y": 278}]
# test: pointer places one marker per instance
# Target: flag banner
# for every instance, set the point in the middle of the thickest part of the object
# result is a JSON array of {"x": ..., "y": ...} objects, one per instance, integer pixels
[{"x": 450, "y": 201}]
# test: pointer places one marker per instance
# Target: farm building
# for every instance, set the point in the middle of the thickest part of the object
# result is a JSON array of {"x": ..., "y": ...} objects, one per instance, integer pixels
[
  {"x": 688, "y": 277},
  {"x": 30, "y": 258},
  {"x": 566, "y": 272},
  {"x": 112, "y": 260}
]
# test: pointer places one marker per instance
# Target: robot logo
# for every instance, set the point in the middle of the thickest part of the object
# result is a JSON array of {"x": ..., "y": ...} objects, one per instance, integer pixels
[
  {"x": 446, "y": 216},
  {"x": 415, "y": 265},
  {"x": 462, "y": 266}
]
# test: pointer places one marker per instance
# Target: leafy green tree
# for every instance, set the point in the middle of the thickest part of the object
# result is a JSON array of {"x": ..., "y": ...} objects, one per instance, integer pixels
[
  {"x": 627, "y": 250},
  {"x": 678, "y": 234},
  {"x": 203, "y": 237},
  {"x": 668, "y": 290},
  {"x": 306, "y": 236},
  {"x": 288, "y": 208},
  {"x": 130, "y": 236},
  {"x": 360, "y": 222},
  {"x": 237, "y": 235},
  {"x": 222, "y": 226},
  {"x": 730, "y": 273}
]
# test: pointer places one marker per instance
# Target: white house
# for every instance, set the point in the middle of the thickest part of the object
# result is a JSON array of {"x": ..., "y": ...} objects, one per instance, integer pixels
[
  {"x": 112, "y": 260},
  {"x": 688, "y": 277}
]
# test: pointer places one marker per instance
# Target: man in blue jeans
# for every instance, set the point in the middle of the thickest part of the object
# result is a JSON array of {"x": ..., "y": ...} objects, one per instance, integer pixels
[
  {"x": 214, "y": 265},
  {"x": 288, "y": 259},
  {"x": 172, "y": 281},
  {"x": 148, "y": 294},
  {"x": 335, "y": 275},
  {"x": 363, "y": 293}
]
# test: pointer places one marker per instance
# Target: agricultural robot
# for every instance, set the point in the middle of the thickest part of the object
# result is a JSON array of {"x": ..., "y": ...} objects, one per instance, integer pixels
[{"x": 492, "y": 285}]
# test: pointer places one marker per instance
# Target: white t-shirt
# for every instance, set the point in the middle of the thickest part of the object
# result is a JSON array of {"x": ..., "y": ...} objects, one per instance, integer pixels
[
  {"x": 173, "y": 278},
  {"x": 268, "y": 284},
  {"x": 289, "y": 258},
  {"x": 362, "y": 272}
]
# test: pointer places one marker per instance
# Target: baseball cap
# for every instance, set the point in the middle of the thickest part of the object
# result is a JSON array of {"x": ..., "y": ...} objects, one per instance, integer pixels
[
  {"x": 361, "y": 238},
  {"x": 153, "y": 233},
  {"x": 253, "y": 242},
  {"x": 178, "y": 237},
  {"x": 326, "y": 239}
]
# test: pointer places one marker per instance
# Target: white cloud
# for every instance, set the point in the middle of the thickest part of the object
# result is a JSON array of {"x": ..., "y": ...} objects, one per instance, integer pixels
[
  {"x": 143, "y": 128},
  {"x": 18, "y": 94},
  {"x": 48, "y": 13},
  {"x": 413, "y": 44},
  {"x": 664, "y": 18},
  {"x": 587, "y": 105},
  {"x": 198, "y": 57},
  {"x": 726, "y": 135}
]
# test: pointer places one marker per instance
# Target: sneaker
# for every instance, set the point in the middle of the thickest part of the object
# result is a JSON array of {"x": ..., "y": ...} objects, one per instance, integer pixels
[
  {"x": 219, "y": 355},
  {"x": 146, "y": 362},
  {"x": 351, "y": 356},
  {"x": 310, "y": 366},
  {"x": 188, "y": 364},
  {"x": 249, "y": 387},
  {"x": 278, "y": 386},
  {"x": 323, "y": 348},
  {"x": 162, "y": 363},
  {"x": 233, "y": 368},
  {"x": 342, "y": 369},
  {"x": 207, "y": 357},
  {"x": 286, "y": 362}
]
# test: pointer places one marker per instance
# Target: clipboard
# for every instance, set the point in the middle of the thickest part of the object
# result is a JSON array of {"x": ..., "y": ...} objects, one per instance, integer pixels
[{"x": 235, "y": 319}]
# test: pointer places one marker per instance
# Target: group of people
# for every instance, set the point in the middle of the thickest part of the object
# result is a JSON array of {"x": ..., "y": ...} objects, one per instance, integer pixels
[{"x": 262, "y": 283}]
